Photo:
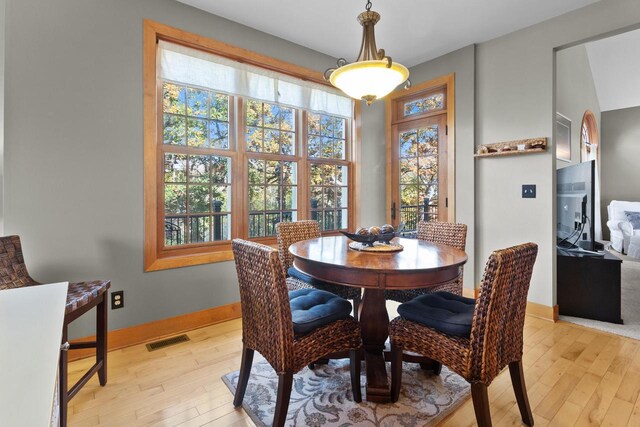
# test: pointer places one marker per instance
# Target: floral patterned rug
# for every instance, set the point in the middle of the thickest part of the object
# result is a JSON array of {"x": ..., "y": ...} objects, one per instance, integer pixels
[{"x": 322, "y": 397}]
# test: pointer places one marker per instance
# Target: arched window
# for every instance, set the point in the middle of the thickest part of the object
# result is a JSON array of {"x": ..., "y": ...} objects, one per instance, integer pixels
[{"x": 589, "y": 137}]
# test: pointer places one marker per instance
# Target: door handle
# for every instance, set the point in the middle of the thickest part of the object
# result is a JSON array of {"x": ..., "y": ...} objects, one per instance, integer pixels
[{"x": 393, "y": 210}]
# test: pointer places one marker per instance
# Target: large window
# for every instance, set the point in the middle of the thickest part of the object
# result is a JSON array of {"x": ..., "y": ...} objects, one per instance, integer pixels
[{"x": 232, "y": 149}]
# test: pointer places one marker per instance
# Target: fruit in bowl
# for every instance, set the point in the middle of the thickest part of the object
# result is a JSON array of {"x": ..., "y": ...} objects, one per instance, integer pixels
[
  {"x": 387, "y": 228},
  {"x": 362, "y": 231},
  {"x": 375, "y": 230}
]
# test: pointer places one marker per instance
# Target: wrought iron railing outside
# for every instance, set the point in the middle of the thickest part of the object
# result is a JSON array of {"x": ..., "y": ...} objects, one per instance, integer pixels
[
  {"x": 200, "y": 227},
  {"x": 412, "y": 214},
  {"x": 261, "y": 224}
]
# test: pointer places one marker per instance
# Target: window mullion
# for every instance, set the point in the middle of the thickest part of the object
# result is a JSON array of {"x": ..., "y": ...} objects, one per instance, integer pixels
[
  {"x": 240, "y": 183},
  {"x": 303, "y": 167}
]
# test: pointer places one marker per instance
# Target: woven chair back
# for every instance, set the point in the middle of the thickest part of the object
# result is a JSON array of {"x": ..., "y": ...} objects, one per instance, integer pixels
[
  {"x": 289, "y": 233},
  {"x": 266, "y": 314},
  {"x": 444, "y": 233},
  {"x": 450, "y": 234},
  {"x": 496, "y": 334},
  {"x": 13, "y": 271}
]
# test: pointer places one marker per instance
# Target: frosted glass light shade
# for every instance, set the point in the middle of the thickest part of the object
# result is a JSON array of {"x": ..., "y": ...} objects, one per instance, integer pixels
[{"x": 369, "y": 80}]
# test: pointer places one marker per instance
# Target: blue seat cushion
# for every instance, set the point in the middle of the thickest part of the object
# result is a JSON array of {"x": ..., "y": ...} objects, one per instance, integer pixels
[
  {"x": 446, "y": 312},
  {"x": 313, "y": 308},
  {"x": 293, "y": 272}
]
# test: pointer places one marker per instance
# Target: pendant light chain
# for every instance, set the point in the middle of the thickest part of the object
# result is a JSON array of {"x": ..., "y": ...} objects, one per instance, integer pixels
[{"x": 373, "y": 75}]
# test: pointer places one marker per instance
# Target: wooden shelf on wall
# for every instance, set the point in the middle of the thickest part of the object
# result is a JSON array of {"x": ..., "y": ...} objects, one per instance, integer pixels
[
  {"x": 510, "y": 148},
  {"x": 511, "y": 153}
]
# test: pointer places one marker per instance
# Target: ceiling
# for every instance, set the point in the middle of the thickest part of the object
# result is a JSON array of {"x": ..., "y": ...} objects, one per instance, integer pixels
[
  {"x": 411, "y": 31},
  {"x": 615, "y": 62}
]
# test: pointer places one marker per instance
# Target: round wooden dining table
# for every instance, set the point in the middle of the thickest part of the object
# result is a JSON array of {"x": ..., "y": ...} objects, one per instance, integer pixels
[{"x": 420, "y": 264}]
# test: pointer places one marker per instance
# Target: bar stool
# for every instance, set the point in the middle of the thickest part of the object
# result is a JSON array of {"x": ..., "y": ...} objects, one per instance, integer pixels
[{"x": 81, "y": 297}]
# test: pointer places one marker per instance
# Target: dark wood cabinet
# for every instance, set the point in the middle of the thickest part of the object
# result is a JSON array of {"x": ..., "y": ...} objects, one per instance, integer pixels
[{"x": 589, "y": 286}]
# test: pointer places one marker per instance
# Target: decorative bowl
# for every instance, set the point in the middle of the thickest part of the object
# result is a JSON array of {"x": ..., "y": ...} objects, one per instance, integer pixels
[{"x": 370, "y": 239}]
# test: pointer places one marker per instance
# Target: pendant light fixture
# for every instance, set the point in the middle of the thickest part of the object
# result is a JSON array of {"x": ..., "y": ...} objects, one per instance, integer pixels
[{"x": 374, "y": 75}]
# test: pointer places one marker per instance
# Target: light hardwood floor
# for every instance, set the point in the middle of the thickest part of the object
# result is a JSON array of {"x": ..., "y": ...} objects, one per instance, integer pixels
[{"x": 575, "y": 376}]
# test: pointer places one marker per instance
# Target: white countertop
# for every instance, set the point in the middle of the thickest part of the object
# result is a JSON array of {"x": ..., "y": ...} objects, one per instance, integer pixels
[{"x": 31, "y": 320}]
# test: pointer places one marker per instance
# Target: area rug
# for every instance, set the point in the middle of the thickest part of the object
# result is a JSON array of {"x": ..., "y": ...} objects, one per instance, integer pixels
[
  {"x": 630, "y": 303},
  {"x": 322, "y": 397}
]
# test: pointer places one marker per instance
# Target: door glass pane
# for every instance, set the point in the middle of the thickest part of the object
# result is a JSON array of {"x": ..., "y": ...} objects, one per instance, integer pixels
[{"x": 418, "y": 175}]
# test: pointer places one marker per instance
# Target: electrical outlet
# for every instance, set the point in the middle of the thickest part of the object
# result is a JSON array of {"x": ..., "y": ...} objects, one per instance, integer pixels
[
  {"x": 117, "y": 300},
  {"x": 529, "y": 191}
]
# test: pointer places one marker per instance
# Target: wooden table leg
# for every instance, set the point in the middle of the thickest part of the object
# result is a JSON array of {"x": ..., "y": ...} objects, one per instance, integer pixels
[{"x": 374, "y": 323}]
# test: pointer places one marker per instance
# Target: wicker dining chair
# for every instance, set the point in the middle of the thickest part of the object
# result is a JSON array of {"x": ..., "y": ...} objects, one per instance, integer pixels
[
  {"x": 492, "y": 341},
  {"x": 444, "y": 233},
  {"x": 81, "y": 297},
  {"x": 289, "y": 233},
  {"x": 270, "y": 325}
]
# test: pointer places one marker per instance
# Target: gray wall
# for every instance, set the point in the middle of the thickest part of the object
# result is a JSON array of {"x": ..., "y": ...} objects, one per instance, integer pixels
[
  {"x": 575, "y": 94},
  {"x": 619, "y": 155},
  {"x": 74, "y": 148},
  {"x": 372, "y": 201},
  {"x": 514, "y": 100}
]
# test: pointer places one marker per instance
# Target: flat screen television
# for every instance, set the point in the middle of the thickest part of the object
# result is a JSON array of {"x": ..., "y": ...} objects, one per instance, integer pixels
[{"x": 575, "y": 206}]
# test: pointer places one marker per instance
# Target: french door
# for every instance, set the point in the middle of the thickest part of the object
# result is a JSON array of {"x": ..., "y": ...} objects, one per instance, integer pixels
[{"x": 419, "y": 171}]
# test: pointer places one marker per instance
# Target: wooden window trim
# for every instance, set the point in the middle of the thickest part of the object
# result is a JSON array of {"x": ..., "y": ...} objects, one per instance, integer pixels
[
  {"x": 154, "y": 257},
  {"x": 393, "y": 117}
]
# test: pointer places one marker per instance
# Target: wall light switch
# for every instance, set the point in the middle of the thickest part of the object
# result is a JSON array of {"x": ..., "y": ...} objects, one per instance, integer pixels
[{"x": 529, "y": 191}]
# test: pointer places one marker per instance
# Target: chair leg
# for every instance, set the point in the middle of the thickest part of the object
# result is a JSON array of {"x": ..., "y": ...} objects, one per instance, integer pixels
[
  {"x": 520, "y": 390},
  {"x": 434, "y": 366},
  {"x": 437, "y": 367},
  {"x": 396, "y": 372},
  {"x": 285, "y": 381},
  {"x": 355, "y": 360},
  {"x": 101, "y": 338},
  {"x": 481, "y": 404},
  {"x": 243, "y": 379},
  {"x": 62, "y": 380},
  {"x": 356, "y": 306}
]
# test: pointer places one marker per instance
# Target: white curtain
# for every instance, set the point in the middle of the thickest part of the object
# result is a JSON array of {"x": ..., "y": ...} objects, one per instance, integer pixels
[{"x": 194, "y": 67}]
